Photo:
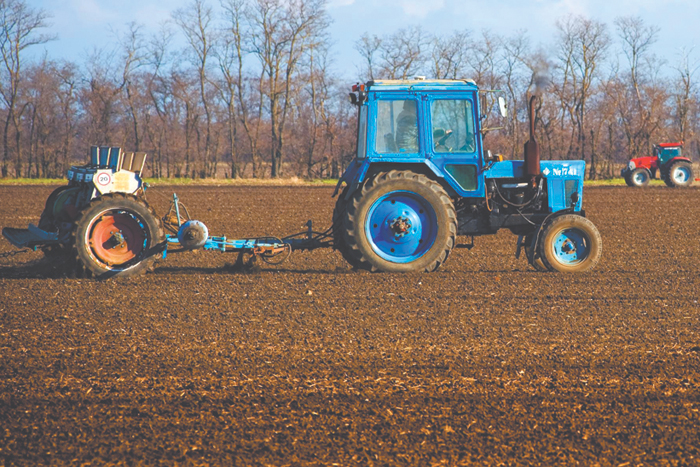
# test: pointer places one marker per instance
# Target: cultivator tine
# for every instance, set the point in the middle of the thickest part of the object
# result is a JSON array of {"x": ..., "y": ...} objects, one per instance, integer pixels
[{"x": 521, "y": 244}]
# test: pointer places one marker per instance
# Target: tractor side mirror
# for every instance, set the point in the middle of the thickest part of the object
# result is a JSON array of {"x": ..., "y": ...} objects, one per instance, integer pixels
[{"x": 502, "y": 106}]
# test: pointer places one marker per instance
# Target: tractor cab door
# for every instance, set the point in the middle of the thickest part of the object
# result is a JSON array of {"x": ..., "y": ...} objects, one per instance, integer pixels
[{"x": 453, "y": 140}]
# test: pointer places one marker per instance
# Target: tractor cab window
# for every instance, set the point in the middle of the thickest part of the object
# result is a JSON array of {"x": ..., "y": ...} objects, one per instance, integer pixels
[
  {"x": 453, "y": 126},
  {"x": 666, "y": 154},
  {"x": 397, "y": 127}
]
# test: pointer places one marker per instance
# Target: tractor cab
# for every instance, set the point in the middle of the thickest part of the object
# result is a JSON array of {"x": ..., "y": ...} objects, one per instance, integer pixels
[
  {"x": 664, "y": 152},
  {"x": 433, "y": 124}
]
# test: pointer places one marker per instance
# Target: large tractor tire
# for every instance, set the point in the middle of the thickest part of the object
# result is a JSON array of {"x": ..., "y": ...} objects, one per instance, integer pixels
[
  {"x": 399, "y": 221},
  {"x": 339, "y": 213},
  {"x": 639, "y": 177},
  {"x": 116, "y": 235},
  {"x": 570, "y": 243},
  {"x": 679, "y": 174}
]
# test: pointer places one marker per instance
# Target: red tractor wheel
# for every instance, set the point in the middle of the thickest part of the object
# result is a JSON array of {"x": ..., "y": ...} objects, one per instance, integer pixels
[{"x": 117, "y": 235}]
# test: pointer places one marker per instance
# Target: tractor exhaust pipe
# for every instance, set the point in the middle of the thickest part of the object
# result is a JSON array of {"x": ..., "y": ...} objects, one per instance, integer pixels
[{"x": 532, "y": 150}]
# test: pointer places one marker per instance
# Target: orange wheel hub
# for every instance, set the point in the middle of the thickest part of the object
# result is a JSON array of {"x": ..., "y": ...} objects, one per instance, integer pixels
[{"x": 116, "y": 238}]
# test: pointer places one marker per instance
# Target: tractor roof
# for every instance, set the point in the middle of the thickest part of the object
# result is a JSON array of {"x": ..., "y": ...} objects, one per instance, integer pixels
[
  {"x": 670, "y": 145},
  {"x": 423, "y": 84}
]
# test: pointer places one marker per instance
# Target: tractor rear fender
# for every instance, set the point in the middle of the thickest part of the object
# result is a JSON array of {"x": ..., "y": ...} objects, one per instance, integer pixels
[{"x": 361, "y": 170}]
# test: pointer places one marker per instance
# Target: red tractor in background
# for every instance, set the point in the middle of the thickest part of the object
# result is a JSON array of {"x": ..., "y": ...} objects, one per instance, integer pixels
[{"x": 674, "y": 169}]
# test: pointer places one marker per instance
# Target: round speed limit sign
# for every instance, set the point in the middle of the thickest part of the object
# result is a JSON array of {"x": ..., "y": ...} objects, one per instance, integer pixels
[{"x": 104, "y": 179}]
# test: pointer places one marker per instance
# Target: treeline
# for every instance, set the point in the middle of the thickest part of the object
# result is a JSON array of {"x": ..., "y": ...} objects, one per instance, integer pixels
[{"x": 253, "y": 92}]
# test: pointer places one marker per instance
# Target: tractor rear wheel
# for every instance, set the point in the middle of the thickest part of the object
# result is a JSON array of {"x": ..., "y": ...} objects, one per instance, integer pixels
[
  {"x": 570, "y": 243},
  {"x": 399, "y": 221},
  {"x": 679, "y": 174},
  {"x": 639, "y": 177},
  {"x": 338, "y": 238},
  {"x": 116, "y": 235}
]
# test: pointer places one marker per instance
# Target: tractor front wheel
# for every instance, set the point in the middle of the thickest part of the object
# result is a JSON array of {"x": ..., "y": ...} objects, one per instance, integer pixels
[
  {"x": 680, "y": 174},
  {"x": 116, "y": 235},
  {"x": 570, "y": 243},
  {"x": 399, "y": 221},
  {"x": 639, "y": 177}
]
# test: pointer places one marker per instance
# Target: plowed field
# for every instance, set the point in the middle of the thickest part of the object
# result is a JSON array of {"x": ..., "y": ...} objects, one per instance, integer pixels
[{"x": 483, "y": 362}]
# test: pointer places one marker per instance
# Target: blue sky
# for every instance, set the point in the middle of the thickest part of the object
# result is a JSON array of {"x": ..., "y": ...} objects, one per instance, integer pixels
[{"x": 82, "y": 25}]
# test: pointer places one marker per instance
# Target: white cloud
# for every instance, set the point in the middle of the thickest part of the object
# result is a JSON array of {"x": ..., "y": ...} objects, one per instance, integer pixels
[
  {"x": 420, "y": 8},
  {"x": 89, "y": 11},
  {"x": 340, "y": 3}
]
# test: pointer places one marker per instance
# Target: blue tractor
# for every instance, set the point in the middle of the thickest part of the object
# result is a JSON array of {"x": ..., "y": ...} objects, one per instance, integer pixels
[{"x": 421, "y": 177}]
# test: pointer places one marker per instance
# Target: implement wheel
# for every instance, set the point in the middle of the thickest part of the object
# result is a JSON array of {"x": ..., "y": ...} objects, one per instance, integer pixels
[
  {"x": 116, "y": 236},
  {"x": 399, "y": 221},
  {"x": 570, "y": 243}
]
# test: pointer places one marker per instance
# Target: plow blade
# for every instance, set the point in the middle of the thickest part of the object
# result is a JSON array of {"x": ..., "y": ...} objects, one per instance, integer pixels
[{"x": 31, "y": 237}]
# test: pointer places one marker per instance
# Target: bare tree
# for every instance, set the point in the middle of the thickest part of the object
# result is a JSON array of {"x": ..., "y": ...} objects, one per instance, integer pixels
[
  {"x": 281, "y": 31},
  {"x": 685, "y": 93},
  {"x": 514, "y": 71},
  {"x": 195, "y": 21},
  {"x": 368, "y": 46},
  {"x": 448, "y": 55},
  {"x": 582, "y": 47},
  {"x": 483, "y": 59},
  {"x": 639, "y": 120},
  {"x": 19, "y": 25},
  {"x": 133, "y": 56}
]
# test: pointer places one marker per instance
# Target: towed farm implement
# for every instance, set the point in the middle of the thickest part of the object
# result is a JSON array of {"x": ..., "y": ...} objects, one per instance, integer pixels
[{"x": 420, "y": 178}]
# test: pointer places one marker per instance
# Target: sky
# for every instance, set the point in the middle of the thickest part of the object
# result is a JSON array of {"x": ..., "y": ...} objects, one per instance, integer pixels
[{"x": 84, "y": 25}]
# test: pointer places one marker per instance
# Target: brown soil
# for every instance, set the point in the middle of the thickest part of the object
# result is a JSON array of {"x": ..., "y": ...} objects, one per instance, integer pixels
[{"x": 484, "y": 361}]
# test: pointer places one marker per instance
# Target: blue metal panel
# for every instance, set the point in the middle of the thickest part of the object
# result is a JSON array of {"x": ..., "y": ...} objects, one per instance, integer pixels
[
  {"x": 563, "y": 179},
  {"x": 104, "y": 156},
  {"x": 506, "y": 169},
  {"x": 94, "y": 155}
]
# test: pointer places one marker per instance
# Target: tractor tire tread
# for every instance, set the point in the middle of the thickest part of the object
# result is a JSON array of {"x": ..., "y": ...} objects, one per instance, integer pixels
[
  {"x": 580, "y": 222},
  {"x": 357, "y": 259},
  {"x": 84, "y": 268}
]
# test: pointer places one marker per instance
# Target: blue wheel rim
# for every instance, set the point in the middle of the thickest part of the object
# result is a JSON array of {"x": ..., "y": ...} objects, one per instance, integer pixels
[
  {"x": 640, "y": 177},
  {"x": 571, "y": 247},
  {"x": 681, "y": 174},
  {"x": 401, "y": 226}
]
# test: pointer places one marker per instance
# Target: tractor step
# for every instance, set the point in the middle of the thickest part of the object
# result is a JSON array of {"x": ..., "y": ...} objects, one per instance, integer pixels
[{"x": 30, "y": 237}]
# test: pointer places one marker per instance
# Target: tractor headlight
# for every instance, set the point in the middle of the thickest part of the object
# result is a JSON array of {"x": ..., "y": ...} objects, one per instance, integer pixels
[{"x": 631, "y": 165}]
